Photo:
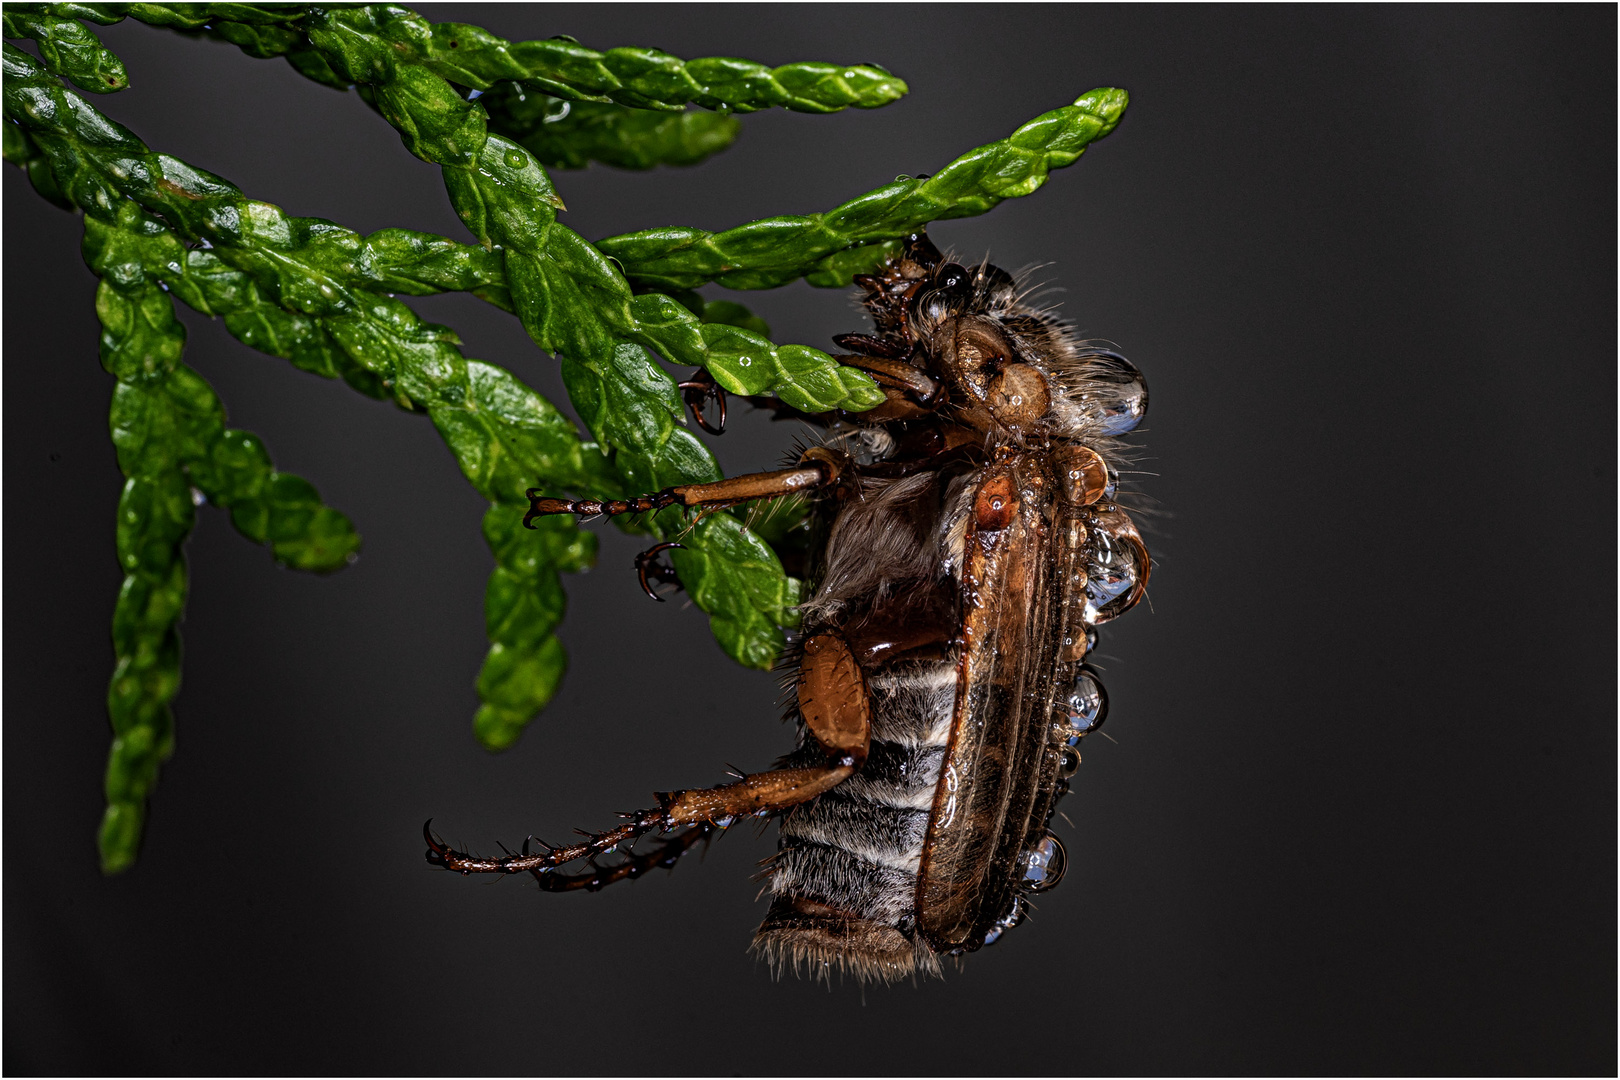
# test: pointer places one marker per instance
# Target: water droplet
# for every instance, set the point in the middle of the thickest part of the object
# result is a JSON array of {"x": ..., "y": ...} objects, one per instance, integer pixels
[
  {"x": 1085, "y": 706},
  {"x": 1068, "y": 762},
  {"x": 1044, "y": 864},
  {"x": 516, "y": 159},
  {"x": 1112, "y": 572},
  {"x": 1008, "y": 922},
  {"x": 1116, "y": 395},
  {"x": 197, "y": 497}
]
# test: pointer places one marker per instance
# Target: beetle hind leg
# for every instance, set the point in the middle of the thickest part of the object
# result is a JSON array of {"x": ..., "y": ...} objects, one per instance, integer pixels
[
  {"x": 599, "y": 877},
  {"x": 700, "y": 811},
  {"x": 834, "y": 701}
]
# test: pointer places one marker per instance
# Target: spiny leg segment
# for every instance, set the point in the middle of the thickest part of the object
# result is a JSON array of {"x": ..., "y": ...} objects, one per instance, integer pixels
[{"x": 666, "y": 855}]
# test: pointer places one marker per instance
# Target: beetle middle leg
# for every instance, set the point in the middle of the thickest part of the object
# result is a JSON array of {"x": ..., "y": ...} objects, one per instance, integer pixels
[
  {"x": 837, "y": 711},
  {"x": 819, "y": 468}
]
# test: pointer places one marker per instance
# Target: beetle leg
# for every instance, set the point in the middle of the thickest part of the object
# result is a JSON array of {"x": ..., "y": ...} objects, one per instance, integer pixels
[
  {"x": 760, "y": 794},
  {"x": 818, "y": 468},
  {"x": 666, "y": 854},
  {"x": 837, "y": 711},
  {"x": 899, "y": 375},
  {"x": 650, "y": 566},
  {"x": 867, "y": 345},
  {"x": 696, "y": 392}
]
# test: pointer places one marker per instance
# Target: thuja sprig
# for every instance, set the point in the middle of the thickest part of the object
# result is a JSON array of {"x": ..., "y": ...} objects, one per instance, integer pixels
[
  {"x": 829, "y": 249},
  {"x": 353, "y": 39},
  {"x": 308, "y": 302},
  {"x": 168, "y": 428},
  {"x": 158, "y": 229},
  {"x": 67, "y": 48},
  {"x": 567, "y": 135}
]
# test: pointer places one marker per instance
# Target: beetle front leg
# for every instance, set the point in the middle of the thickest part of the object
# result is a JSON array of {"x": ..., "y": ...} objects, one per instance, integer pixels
[{"x": 837, "y": 711}]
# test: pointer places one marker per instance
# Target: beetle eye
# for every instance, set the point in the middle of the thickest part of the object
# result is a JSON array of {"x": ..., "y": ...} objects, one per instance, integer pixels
[
  {"x": 952, "y": 292},
  {"x": 952, "y": 276},
  {"x": 1115, "y": 396}
]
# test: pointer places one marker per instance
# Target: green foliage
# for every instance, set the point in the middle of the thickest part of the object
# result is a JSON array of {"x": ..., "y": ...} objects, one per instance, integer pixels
[
  {"x": 855, "y": 238},
  {"x": 68, "y": 48},
  {"x": 169, "y": 430},
  {"x": 568, "y": 135},
  {"x": 492, "y": 115}
]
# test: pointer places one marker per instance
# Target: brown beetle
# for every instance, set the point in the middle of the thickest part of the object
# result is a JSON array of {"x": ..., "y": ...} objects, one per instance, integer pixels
[{"x": 970, "y": 547}]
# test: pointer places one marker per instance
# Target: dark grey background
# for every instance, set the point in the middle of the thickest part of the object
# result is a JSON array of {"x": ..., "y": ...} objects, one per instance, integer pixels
[{"x": 1360, "y": 815}]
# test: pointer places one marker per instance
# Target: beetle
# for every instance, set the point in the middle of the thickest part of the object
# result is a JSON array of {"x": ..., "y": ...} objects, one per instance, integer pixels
[{"x": 969, "y": 545}]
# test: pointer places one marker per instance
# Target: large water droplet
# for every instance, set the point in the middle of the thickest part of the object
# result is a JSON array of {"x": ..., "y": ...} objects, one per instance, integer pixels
[
  {"x": 1044, "y": 864},
  {"x": 1086, "y": 705},
  {"x": 1110, "y": 574},
  {"x": 1115, "y": 395},
  {"x": 1116, "y": 567}
]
